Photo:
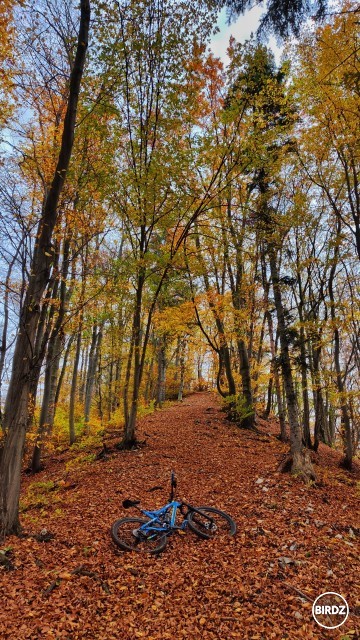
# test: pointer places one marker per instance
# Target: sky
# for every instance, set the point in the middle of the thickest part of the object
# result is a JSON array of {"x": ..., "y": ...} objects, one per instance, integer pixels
[{"x": 241, "y": 29}]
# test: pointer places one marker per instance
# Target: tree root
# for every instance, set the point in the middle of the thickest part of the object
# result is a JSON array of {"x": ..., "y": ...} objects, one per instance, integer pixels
[
  {"x": 130, "y": 445},
  {"x": 298, "y": 465}
]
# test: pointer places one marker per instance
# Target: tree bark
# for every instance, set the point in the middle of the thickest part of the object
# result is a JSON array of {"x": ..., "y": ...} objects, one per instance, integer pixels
[
  {"x": 299, "y": 463},
  {"x": 136, "y": 346},
  {"x": 3, "y": 346},
  {"x": 182, "y": 369},
  {"x": 275, "y": 372},
  {"x": 52, "y": 367},
  {"x": 62, "y": 372},
  {"x": 161, "y": 390},
  {"x": 236, "y": 286},
  {"x": 345, "y": 414},
  {"x": 91, "y": 373},
  {"x": 72, "y": 433}
]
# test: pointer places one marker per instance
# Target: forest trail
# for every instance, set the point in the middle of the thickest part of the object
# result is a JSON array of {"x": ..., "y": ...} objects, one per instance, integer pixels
[{"x": 293, "y": 542}]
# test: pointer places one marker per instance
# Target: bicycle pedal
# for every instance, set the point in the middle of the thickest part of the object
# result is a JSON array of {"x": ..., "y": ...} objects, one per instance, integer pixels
[{"x": 181, "y": 532}]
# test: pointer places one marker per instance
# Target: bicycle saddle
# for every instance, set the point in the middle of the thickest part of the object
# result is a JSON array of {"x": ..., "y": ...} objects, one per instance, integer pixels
[{"x": 130, "y": 503}]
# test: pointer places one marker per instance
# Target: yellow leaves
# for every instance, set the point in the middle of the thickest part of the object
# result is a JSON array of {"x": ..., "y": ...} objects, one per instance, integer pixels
[
  {"x": 326, "y": 79},
  {"x": 7, "y": 33},
  {"x": 174, "y": 320}
]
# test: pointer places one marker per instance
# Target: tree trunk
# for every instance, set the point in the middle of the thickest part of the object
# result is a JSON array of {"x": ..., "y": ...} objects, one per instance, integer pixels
[
  {"x": 16, "y": 415},
  {"x": 44, "y": 425},
  {"x": 321, "y": 431},
  {"x": 248, "y": 420},
  {"x": 160, "y": 391},
  {"x": 62, "y": 372},
  {"x": 91, "y": 373},
  {"x": 148, "y": 386},
  {"x": 236, "y": 273},
  {"x": 182, "y": 369},
  {"x": 269, "y": 398},
  {"x": 72, "y": 434},
  {"x": 83, "y": 373},
  {"x": 345, "y": 414},
  {"x": 300, "y": 463},
  {"x": 3, "y": 346},
  {"x": 304, "y": 387},
  {"x": 130, "y": 413},
  {"x": 224, "y": 352},
  {"x": 52, "y": 367},
  {"x": 275, "y": 372}
]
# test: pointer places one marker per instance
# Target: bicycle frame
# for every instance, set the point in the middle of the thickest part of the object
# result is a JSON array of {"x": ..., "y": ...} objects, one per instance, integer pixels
[
  {"x": 151, "y": 531},
  {"x": 157, "y": 522}
]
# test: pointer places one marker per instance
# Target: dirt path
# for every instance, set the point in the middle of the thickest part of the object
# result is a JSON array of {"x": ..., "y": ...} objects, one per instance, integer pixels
[{"x": 293, "y": 542}]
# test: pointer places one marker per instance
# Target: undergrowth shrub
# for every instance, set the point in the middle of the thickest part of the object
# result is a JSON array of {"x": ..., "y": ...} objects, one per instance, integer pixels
[{"x": 236, "y": 409}]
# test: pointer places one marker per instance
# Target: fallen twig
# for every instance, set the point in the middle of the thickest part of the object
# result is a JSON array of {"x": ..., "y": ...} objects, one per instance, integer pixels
[{"x": 298, "y": 591}]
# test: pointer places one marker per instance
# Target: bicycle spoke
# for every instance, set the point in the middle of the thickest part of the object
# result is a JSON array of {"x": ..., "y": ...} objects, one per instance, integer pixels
[
  {"x": 127, "y": 534},
  {"x": 209, "y": 522}
]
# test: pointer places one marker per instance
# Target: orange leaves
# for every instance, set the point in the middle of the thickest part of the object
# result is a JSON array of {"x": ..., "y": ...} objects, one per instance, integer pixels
[
  {"x": 195, "y": 589},
  {"x": 65, "y": 575}
]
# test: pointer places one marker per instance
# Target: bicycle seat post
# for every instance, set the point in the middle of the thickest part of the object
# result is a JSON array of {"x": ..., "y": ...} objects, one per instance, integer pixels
[{"x": 173, "y": 486}]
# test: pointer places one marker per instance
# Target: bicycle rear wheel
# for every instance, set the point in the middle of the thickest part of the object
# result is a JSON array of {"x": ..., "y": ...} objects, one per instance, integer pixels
[
  {"x": 208, "y": 522},
  {"x": 127, "y": 535}
]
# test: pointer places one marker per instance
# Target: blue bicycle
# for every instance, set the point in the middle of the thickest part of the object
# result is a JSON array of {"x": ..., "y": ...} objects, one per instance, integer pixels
[{"x": 151, "y": 534}]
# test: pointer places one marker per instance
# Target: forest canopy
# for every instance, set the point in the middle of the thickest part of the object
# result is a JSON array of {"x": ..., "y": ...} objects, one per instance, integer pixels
[{"x": 170, "y": 224}]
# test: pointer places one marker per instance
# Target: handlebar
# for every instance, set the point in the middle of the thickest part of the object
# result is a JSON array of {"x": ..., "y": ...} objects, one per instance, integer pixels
[{"x": 127, "y": 504}]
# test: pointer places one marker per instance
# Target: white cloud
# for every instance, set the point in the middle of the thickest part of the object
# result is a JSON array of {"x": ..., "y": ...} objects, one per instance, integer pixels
[{"x": 242, "y": 29}]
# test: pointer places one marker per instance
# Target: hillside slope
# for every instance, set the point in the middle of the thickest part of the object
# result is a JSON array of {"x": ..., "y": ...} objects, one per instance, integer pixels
[{"x": 293, "y": 542}]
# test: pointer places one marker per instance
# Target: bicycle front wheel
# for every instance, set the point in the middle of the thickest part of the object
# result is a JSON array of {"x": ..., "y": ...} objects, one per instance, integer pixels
[
  {"x": 127, "y": 535},
  {"x": 208, "y": 522}
]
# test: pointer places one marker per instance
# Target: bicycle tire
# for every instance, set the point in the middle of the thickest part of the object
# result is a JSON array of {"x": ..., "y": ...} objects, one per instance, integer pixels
[
  {"x": 122, "y": 533},
  {"x": 224, "y": 525}
]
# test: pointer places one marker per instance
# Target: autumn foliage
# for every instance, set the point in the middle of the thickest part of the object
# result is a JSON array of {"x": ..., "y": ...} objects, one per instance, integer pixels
[{"x": 170, "y": 224}]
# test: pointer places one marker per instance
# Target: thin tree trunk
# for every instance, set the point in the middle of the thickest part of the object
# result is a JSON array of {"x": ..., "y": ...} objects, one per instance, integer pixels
[
  {"x": 3, "y": 346},
  {"x": 72, "y": 433},
  {"x": 224, "y": 355},
  {"x": 130, "y": 413},
  {"x": 83, "y": 373},
  {"x": 299, "y": 463},
  {"x": 304, "y": 388},
  {"x": 148, "y": 385},
  {"x": 275, "y": 373},
  {"x": 236, "y": 285},
  {"x": 62, "y": 372},
  {"x": 345, "y": 415},
  {"x": 321, "y": 431},
  {"x": 52, "y": 367},
  {"x": 269, "y": 396},
  {"x": 160, "y": 392},
  {"x": 182, "y": 369},
  {"x": 91, "y": 374}
]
